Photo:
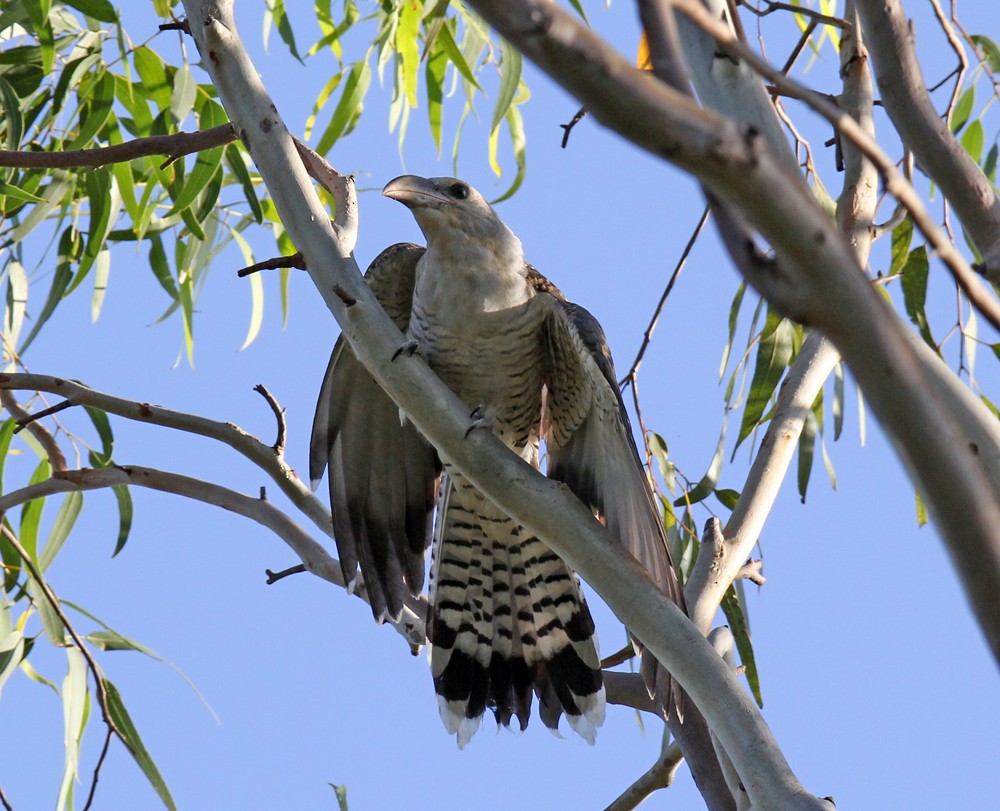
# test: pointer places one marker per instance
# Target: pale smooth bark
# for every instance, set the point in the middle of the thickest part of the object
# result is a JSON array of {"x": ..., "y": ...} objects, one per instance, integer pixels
[{"x": 925, "y": 131}]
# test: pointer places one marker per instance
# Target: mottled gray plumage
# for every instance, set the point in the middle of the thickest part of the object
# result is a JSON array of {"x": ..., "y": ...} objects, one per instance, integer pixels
[{"x": 507, "y": 616}]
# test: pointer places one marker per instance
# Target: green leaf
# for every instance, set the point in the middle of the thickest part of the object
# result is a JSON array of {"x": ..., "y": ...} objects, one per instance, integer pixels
[
  {"x": 134, "y": 744},
  {"x": 17, "y": 302},
  {"x": 706, "y": 486},
  {"x": 973, "y": 140},
  {"x": 991, "y": 53},
  {"x": 100, "y": 95},
  {"x": 69, "y": 248},
  {"x": 963, "y": 109},
  {"x": 12, "y": 119},
  {"x": 100, "y": 10},
  {"x": 446, "y": 41},
  {"x": 14, "y": 193},
  {"x": 515, "y": 125},
  {"x": 902, "y": 234},
  {"x": 183, "y": 94},
  {"x": 921, "y": 510},
  {"x": 124, "y": 499},
  {"x": 11, "y": 651},
  {"x": 736, "y": 617},
  {"x": 102, "y": 271},
  {"x": 990, "y": 164},
  {"x": 728, "y": 498},
  {"x": 510, "y": 79},
  {"x": 434, "y": 70},
  {"x": 914, "y": 278},
  {"x": 236, "y": 164},
  {"x": 31, "y": 513},
  {"x": 773, "y": 354},
  {"x": 160, "y": 267},
  {"x": 69, "y": 511},
  {"x": 103, "y": 427},
  {"x": 6, "y": 435},
  {"x": 658, "y": 448},
  {"x": 807, "y": 447},
  {"x": 153, "y": 74},
  {"x": 350, "y": 102},
  {"x": 76, "y": 710},
  {"x": 407, "y": 48},
  {"x": 277, "y": 9},
  {"x": 734, "y": 311}
]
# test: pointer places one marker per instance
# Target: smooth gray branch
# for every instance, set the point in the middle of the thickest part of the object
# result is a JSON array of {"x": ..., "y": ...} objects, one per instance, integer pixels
[{"x": 926, "y": 133}]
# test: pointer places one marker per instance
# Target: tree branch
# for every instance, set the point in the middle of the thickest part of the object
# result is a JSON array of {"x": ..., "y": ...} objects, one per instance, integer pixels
[
  {"x": 922, "y": 129},
  {"x": 176, "y": 146},
  {"x": 260, "y": 454},
  {"x": 314, "y": 557}
]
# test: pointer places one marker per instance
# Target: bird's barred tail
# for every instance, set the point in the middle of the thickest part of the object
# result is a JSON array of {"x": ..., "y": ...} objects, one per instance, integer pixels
[{"x": 507, "y": 619}]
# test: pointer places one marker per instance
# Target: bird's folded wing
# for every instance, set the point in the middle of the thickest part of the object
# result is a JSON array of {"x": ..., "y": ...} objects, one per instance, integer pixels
[
  {"x": 590, "y": 442},
  {"x": 591, "y": 449},
  {"x": 383, "y": 474}
]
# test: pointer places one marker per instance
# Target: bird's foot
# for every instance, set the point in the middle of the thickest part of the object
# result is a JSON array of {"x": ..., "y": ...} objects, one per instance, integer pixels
[
  {"x": 479, "y": 420},
  {"x": 408, "y": 347}
]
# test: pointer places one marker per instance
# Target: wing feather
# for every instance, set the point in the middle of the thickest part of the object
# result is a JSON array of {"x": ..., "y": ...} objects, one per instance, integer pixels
[
  {"x": 383, "y": 474},
  {"x": 591, "y": 449}
]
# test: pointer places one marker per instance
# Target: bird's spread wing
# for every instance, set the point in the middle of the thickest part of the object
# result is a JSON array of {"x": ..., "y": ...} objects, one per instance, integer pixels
[
  {"x": 383, "y": 474},
  {"x": 591, "y": 449}
]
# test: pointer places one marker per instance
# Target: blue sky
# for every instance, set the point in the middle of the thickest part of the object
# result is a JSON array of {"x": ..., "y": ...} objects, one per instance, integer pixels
[{"x": 876, "y": 680}]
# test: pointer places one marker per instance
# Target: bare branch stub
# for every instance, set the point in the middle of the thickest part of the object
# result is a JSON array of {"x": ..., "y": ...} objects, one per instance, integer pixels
[
  {"x": 567, "y": 128},
  {"x": 179, "y": 25},
  {"x": 619, "y": 657},
  {"x": 273, "y": 577},
  {"x": 279, "y": 416},
  {"x": 295, "y": 260}
]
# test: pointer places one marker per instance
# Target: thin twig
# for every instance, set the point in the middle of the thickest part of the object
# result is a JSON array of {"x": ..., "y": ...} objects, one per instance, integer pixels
[
  {"x": 648, "y": 334},
  {"x": 567, "y": 128},
  {"x": 815, "y": 16},
  {"x": 618, "y": 657},
  {"x": 24, "y": 422},
  {"x": 36, "y": 429},
  {"x": 6, "y": 803},
  {"x": 97, "y": 771},
  {"x": 660, "y": 775},
  {"x": 279, "y": 416}
]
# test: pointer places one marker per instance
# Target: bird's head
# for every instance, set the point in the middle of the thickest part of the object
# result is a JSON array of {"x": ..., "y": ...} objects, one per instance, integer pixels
[{"x": 449, "y": 209}]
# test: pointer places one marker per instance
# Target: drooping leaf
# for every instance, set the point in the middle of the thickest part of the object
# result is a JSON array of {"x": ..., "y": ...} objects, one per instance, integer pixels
[
  {"x": 914, "y": 278},
  {"x": 100, "y": 10},
  {"x": 350, "y": 102},
  {"x": 135, "y": 745},
  {"x": 732, "y": 607},
  {"x": 76, "y": 706},
  {"x": 963, "y": 109},
  {"x": 124, "y": 499},
  {"x": 706, "y": 485},
  {"x": 69, "y": 511},
  {"x": 773, "y": 355},
  {"x": 902, "y": 234},
  {"x": 973, "y": 140},
  {"x": 991, "y": 52}
]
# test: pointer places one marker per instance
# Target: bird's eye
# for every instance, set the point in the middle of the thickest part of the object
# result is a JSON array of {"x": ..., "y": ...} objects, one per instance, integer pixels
[{"x": 459, "y": 191}]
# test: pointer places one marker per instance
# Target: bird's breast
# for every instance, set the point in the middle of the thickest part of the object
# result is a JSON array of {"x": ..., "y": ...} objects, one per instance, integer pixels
[{"x": 491, "y": 360}]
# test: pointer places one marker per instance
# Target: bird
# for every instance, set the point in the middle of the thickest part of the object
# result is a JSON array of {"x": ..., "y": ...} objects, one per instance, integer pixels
[{"x": 507, "y": 618}]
